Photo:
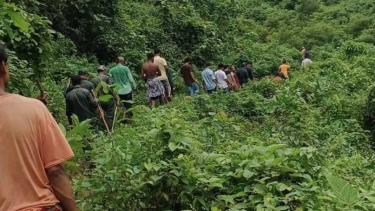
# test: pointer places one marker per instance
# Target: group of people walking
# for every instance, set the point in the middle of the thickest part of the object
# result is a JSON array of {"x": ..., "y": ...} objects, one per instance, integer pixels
[
  {"x": 82, "y": 101},
  {"x": 226, "y": 78},
  {"x": 33, "y": 146}
]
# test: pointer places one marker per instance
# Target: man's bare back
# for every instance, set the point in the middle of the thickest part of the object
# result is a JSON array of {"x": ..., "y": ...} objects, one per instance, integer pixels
[{"x": 150, "y": 71}]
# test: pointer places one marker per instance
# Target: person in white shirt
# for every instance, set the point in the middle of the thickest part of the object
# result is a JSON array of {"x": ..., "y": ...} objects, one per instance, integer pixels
[
  {"x": 306, "y": 61},
  {"x": 222, "y": 80}
]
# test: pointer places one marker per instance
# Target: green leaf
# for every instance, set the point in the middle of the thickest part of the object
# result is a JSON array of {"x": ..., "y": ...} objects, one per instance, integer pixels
[
  {"x": 156, "y": 178},
  {"x": 172, "y": 146},
  {"x": 148, "y": 166},
  {"x": 343, "y": 190},
  {"x": 8, "y": 29},
  {"x": 19, "y": 20},
  {"x": 105, "y": 98},
  {"x": 261, "y": 189},
  {"x": 2, "y": 2},
  {"x": 214, "y": 209},
  {"x": 240, "y": 206},
  {"x": 226, "y": 198},
  {"x": 62, "y": 128},
  {"x": 248, "y": 174},
  {"x": 105, "y": 87},
  {"x": 277, "y": 161}
]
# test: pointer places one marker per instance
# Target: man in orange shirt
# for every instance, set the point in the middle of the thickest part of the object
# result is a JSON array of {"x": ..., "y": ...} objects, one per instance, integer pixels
[
  {"x": 284, "y": 69},
  {"x": 32, "y": 150}
]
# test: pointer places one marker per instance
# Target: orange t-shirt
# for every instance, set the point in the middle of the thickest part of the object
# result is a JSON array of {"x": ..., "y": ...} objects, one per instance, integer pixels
[
  {"x": 30, "y": 142},
  {"x": 284, "y": 69}
]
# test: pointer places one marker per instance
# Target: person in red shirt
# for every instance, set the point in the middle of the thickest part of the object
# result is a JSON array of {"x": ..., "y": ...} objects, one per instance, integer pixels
[
  {"x": 32, "y": 150},
  {"x": 187, "y": 74}
]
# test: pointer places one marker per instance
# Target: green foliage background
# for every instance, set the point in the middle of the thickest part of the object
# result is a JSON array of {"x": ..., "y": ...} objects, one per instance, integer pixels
[{"x": 300, "y": 145}]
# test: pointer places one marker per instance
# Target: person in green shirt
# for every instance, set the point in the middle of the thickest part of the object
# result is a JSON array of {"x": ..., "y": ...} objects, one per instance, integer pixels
[{"x": 123, "y": 78}]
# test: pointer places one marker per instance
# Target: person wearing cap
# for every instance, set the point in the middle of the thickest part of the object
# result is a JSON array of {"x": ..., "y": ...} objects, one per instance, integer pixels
[
  {"x": 84, "y": 74},
  {"x": 123, "y": 78},
  {"x": 107, "y": 106}
]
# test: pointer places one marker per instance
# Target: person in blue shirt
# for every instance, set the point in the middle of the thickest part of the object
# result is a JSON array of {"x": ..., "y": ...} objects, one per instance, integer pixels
[{"x": 209, "y": 80}]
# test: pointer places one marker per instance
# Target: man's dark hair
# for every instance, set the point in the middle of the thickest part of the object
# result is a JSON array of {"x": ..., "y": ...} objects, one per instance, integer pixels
[
  {"x": 157, "y": 51},
  {"x": 220, "y": 66},
  {"x": 284, "y": 61},
  {"x": 3, "y": 54},
  {"x": 247, "y": 63},
  {"x": 76, "y": 80},
  {"x": 208, "y": 64},
  {"x": 226, "y": 66},
  {"x": 150, "y": 56},
  {"x": 187, "y": 60}
]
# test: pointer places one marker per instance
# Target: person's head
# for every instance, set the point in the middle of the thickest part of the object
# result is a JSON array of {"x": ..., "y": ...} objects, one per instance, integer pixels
[
  {"x": 284, "y": 61},
  {"x": 249, "y": 64},
  {"x": 76, "y": 80},
  {"x": 150, "y": 57},
  {"x": 157, "y": 52},
  {"x": 233, "y": 68},
  {"x": 83, "y": 73},
  {"x": 208, "y": 65},
  {"x": 226, "y": 67},
  {"x": 120, "y": 60},
  {"x": 187, "y": 60},
  {"x": 101, "y": 69},
  {"x": 4, "y": 70},
  {"x": 303, "y": 48},
  {"x": 307, "y": 56},
  {"x": 220, "y": 67}
]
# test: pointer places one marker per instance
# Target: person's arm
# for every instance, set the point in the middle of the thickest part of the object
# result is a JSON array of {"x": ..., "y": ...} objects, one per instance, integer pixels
[
  {"x": 53, "y": 150},
  {"x": 131, "y": 78},
  {"x": 165, "y": 66},
  {"x": 60, "y": 183},
  {"x": 226, "y": 79},
  {"x": 158, "y": 71},
  {"x": 214, "y": 78},
  {"x": 143, "y": 73},
  {"x": 192, "y": 75},
  {"x": 69, "y": 111},
  {"x": 93, "y": 102},
  {"x": 251, "y": 74}
]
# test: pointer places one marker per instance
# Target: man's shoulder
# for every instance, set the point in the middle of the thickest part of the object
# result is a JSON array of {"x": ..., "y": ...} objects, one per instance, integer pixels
[
  {"x": 30, "y": 102},
  {"x": 86, "y": 82},
  {"x": 77, "y": 90}
]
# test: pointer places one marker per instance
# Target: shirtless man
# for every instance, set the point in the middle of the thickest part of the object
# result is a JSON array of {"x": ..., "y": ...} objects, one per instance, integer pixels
[{"x": 155, "y": 89}]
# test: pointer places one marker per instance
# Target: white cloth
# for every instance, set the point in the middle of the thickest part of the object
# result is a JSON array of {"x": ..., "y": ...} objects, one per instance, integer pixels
[
  {"x": 221, "y": 77},
  {"x": 306, "y": 62}
]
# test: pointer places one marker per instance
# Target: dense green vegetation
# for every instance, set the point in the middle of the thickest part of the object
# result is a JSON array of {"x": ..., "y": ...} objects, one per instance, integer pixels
[{"x": 299, "y": 145}]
